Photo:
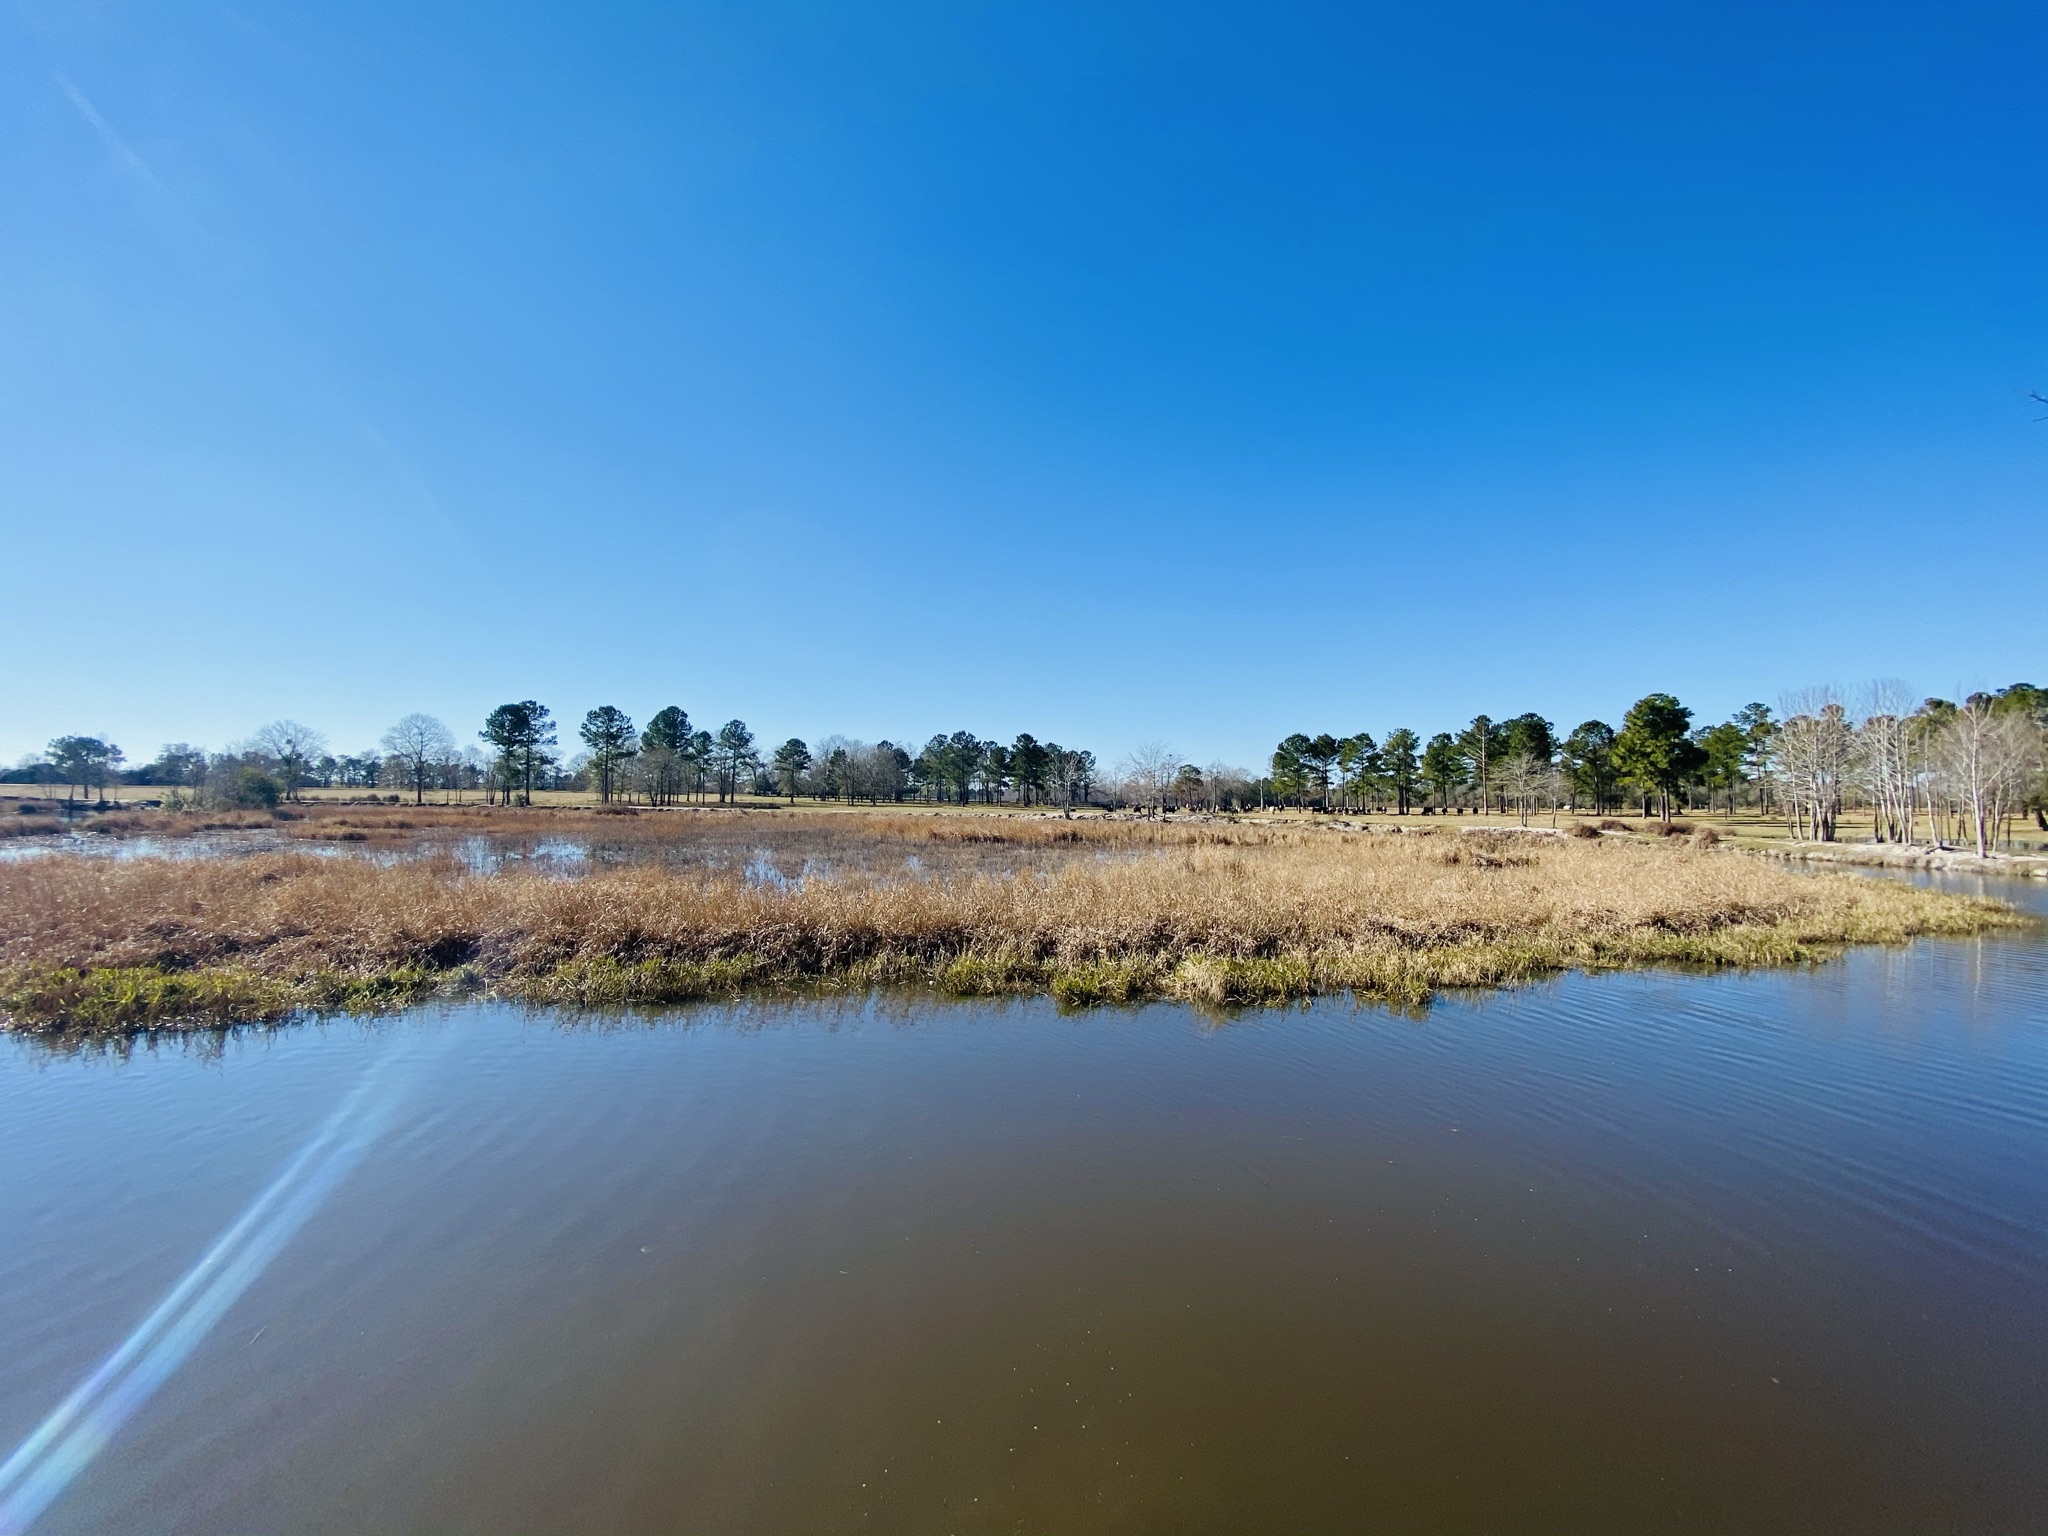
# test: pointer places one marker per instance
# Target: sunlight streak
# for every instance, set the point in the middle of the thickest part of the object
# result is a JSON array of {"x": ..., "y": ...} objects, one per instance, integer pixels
[{"x": 66, "y": 1442}]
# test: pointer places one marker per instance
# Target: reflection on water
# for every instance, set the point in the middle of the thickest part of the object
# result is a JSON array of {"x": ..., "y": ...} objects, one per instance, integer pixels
[
  {"x": 762, "y": 851},
  {"x": 1644, "y": 1253}
]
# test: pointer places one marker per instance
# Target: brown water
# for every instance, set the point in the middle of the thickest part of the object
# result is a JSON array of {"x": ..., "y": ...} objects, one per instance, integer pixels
[{"x": 1629, "y": 1253}]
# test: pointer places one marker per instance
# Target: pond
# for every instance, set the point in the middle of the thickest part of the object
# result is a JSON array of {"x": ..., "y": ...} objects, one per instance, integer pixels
[{"x": 1649, "y": 1252}]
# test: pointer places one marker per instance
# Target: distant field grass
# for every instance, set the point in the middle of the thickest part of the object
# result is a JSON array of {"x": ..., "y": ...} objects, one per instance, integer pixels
[{"x": 1745, "y": 827}]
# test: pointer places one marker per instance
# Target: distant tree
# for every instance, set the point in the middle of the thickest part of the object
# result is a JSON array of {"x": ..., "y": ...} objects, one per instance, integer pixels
[
  {"x": 1481, "y": 743},
  {"x": 993, "y": 771},
  {"x": 1148, "y": 773},
  {"x": 177, "y": 763},
  {"x": 736, "y": 758},
  {"x": 1989, "y": 757},
  {"x": 1074, "y": 773},
  {"x": 1812, "y": 754},
  {"x": 419, "y": 744},
  {"x": 2030, "y": 703},
  {"x": 669, "y": 728},
  {"x": 1531, "y": 734},
  {"x": 609, "y": 733},
  {"x": 666, "y": 752},
  {"x": 1523, "y": 778},
  {"x": 702, "y": 759},
  {"x": 1293, "y": 768},
  {"x": 927, "y": 775},
  {"x": 1323, "y": 751},
  {"x": 33, "y": 768},
  {"x": 2023, "y": 699},
  {"x": 291, "y": 746},
  {"x": 963, "y": 763},
  {"x": 1723, "y": 749},
  {"x": 1588, "y": 755},
  {"x": 1360, "y": 767},
  {"x": 1228, "y": 786},
  {"x": 1403, "y": 765},
  {"x": 889, "y": 771},
  {"x": 1443, "y": 766},
  {"x": 1653, "y": 750},
  {"x": 1885, "y": 765},
  {"x": 473, "y": 770},
  {"x": 1030, "y": 763},
  {"x": 448, "y": 770},
  {"x": 837, "y": 779},
  {"x": 792, "y": 761},
  {"x": 84, "y": 761},
  {"x": 524, "y": 736},
  {"x": 1757, "y": 730}
]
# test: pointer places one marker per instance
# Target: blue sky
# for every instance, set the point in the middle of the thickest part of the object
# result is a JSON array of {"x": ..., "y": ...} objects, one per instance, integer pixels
[{"x": 1108, "y": 372}]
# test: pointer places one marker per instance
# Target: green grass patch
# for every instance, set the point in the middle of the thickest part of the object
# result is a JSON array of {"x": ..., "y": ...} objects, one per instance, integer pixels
[{"x": 119, "y": 999}]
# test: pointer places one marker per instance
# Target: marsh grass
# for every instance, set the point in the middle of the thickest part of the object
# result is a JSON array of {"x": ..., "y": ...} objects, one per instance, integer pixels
[{"x": 1215, "y": 914}]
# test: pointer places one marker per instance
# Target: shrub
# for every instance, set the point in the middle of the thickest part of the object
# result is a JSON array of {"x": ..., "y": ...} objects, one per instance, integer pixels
[
  {"x": 252, "y": 789},
  {"x": 1582, "y": 829}
]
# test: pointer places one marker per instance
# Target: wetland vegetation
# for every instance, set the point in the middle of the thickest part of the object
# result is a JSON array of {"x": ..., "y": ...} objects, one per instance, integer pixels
[{"x": 698, "y": 904}]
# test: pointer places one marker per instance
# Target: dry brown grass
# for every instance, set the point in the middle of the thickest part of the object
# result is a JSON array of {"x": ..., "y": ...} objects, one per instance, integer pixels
[{"x": 1217, "y": 914}]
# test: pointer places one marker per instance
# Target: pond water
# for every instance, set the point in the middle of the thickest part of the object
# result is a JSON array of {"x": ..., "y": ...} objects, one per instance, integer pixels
[
  {"x": 1632, "y": 1253},
  {"x": 780, "y": 856}
]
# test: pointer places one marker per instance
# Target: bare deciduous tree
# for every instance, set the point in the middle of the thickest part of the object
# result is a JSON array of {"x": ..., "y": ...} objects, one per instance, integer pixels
[
  {"x": 1810, "y": 760},
  {"x": 1987, "y": 758},
  {"x": 293, "y": 746},
  {"x": 1148, "y": 773},
  {"x": 1883, "y": 765},
  {"x": 1521, "y": 777},
  {"x": 422, "y": 747}
]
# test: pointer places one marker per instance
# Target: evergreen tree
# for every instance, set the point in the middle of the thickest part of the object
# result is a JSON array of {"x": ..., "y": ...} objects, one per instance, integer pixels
[
  {"x": 1443, "y": 766},
  {"x": 524, "y": 735},
  {"x": 1403, "y": 765},
  {"x": 1030, "y": 763},
  {"x": 1653, "y": 750},
  {"x": 792, "y": 758},
  {"x": 1589, "y": 761},
  {"x": 608, "y": 732},
  {"x": 736, "y": 758}
]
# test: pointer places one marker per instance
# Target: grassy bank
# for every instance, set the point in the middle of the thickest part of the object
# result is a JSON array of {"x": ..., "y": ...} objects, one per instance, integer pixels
[{"x": 1221, "y": 915}]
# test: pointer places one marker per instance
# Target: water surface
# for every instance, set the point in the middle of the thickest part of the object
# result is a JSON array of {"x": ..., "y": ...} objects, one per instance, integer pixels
[{"x": 1626, "y": 1253}]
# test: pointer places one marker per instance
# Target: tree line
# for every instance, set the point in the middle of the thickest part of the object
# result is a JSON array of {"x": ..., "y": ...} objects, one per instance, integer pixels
[
  {"x": 518, "y": 750},
  {"x": 1938, "y": 769},
  {"x": 1961, "y": 772}
]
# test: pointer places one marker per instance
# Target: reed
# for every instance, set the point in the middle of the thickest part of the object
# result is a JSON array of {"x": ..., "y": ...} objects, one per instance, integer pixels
[{"x": 1217, "y": 914}]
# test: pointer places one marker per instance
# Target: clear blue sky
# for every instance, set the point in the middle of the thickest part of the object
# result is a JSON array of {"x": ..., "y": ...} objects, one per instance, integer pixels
[{"x": 1108, "y": 372}]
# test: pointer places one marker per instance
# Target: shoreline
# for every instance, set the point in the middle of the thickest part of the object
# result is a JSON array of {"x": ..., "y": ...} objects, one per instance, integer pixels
[{"x": 2000, "y": 866}]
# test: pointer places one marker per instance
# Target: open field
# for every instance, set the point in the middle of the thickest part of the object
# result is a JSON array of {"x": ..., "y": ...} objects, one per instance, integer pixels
[{"x": 1089, "y": 910}]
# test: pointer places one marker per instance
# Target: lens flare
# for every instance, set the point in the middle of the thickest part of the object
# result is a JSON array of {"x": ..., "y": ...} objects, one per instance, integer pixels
[{"x": 66, "y": 1442}]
